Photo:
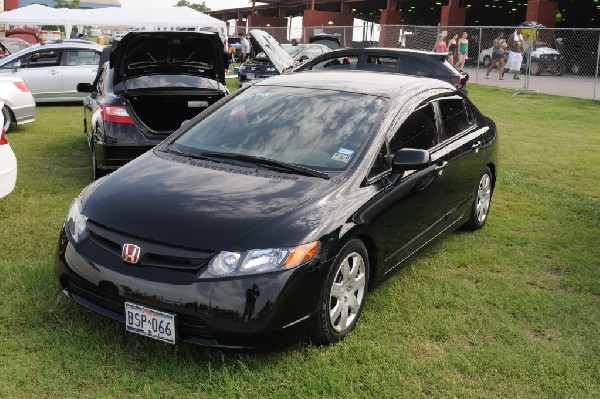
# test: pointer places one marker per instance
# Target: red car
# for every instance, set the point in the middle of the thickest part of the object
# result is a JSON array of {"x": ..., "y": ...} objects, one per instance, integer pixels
[
  {"x": 11, "y": 45},
  {"x": 30, "y": 35}
]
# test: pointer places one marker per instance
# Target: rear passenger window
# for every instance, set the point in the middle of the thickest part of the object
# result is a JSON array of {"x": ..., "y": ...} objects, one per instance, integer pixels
[
  {"x": 417, "y": 68},
  {"x": 455, "y": 117},
  {"x": 82, "y": 57},
  {"x": 343, "y": 63},
  {"x": 418, "y": 131},
  {"x": 381, "y": 64}
]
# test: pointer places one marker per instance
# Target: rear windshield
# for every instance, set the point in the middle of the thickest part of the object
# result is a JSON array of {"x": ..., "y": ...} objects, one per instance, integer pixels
[{"x": 320, "y": 129}]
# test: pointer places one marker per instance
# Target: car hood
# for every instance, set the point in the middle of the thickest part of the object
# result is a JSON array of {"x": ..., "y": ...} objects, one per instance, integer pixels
[
  {"x": 201, "y": 204},
  {"x": 159, "y": 53},
  {"x": 263, "y": 42},
  {"x": 544, "y": 50}
]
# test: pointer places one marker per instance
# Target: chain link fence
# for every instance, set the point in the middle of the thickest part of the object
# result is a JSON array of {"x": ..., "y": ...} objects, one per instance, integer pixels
[{"x": 555, "y": 61}]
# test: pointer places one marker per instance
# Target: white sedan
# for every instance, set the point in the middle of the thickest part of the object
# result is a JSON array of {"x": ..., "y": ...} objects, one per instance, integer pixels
[
  {"x": 53, "y": 70},
  {"x": 8, "y": 163},
  {"x": 19, "y": 105}
]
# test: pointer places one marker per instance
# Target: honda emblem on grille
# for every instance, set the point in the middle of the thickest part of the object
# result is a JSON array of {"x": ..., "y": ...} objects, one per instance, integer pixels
[{"x": 131, "y": 253}]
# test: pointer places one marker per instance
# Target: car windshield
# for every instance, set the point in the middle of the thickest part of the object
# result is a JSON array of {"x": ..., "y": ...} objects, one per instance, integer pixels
[{"x": 317, "y": 129}]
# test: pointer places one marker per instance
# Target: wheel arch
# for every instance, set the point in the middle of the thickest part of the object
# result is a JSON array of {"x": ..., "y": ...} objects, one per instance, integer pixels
[{"x": 12, "y": 114}]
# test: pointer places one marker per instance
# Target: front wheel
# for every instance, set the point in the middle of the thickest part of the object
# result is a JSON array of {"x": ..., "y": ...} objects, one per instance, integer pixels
[
  {"x": 487, "y": 60},
  {"x": 343, "y": 294},
  {"x": 481, "y": 204},
  {"x": 535, "y": 68},
  {"x": 7, "y": 118}
]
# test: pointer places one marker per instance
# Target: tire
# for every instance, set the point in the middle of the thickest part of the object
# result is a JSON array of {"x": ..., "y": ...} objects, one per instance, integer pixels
[
  {"x": 487, "y": 60},
  {"x": 576, "y": 69},
  {"x": 96, "y": 172},
  {"x": 482, "y": 201},
  {"x": 8, "y": 119},
  {"x": 343, "y": 294}
]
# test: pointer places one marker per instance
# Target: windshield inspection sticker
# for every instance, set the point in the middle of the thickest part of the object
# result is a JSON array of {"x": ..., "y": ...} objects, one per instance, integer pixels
[{"x": 343, "y": 155}]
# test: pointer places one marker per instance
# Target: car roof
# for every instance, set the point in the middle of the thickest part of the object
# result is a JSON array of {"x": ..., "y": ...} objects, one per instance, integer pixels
[{"x": 362, "y": 82}]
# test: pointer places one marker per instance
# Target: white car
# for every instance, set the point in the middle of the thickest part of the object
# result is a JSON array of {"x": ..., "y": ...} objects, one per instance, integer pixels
[
  {"x": 118, "y": 35},
  {"x": 8, "y": 164},
  {"x": 543, "y": 59},
  {"x": 19, "y": 105},
  {"x": 52, "y": 71}
]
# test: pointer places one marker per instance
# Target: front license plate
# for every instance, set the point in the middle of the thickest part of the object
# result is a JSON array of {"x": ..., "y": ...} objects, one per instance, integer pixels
[
  {"x": 150, "y": 322},
  {"x": 250, "y": 75}
]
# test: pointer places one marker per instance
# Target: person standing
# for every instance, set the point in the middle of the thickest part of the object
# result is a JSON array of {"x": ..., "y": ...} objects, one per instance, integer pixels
[
  {"x": 498, "y": 51},
  {"x": 515, "y": 55},
  {"x": 463, "y": 50},
  {"x": 452, "y": 44},
  {"x": 244, "y": 46},
  {"x": 441, "y": 44}
]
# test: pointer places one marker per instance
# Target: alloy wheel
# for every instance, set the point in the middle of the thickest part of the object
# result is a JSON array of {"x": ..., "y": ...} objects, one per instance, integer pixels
[
  {"x": 484, "y": 197},
  {"x": 347, "y": 292}
]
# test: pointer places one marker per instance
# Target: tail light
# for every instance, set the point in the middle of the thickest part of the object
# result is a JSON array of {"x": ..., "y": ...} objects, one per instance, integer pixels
[
  {"x": 3, "y": 139},
  {"x": 21, "y": 86},
  {"x": 456, "y": 81},
  {"x": 116, "y": 114}
]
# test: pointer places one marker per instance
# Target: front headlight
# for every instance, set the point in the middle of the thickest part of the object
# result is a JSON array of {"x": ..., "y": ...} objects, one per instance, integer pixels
[
  {"x": 271, "y": 69},
  {"x": 76, "y": 221},
  {"x": 259, "y": 260}
]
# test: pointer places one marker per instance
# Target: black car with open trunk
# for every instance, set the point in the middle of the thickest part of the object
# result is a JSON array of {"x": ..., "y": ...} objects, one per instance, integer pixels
[{"x": 153, "y": 82}]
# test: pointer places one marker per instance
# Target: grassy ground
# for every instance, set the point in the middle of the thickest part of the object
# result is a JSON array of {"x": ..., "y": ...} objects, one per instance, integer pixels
[{"x": 510, "y": 311}]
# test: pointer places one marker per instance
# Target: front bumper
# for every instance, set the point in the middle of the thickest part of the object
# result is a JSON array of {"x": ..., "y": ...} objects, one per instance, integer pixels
[{"x": 259, "y": 312}]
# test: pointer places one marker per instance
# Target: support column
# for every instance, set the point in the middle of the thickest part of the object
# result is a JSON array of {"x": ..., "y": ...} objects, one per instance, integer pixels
[
  {"x": 331, "y": 22},
  {"x": 453, "y": 14},
  {"x": 391, "y": 20},
  {"x": 542, "y": 11}
]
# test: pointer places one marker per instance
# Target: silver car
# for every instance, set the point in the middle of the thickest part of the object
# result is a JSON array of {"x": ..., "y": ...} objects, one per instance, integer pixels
[
  {"x": 19, "y": 106},
  {"x": 53, "y": 70}
]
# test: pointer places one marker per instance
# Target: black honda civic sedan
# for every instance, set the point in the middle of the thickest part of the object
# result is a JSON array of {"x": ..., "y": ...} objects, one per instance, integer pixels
[{"x": 265, "y": 220}]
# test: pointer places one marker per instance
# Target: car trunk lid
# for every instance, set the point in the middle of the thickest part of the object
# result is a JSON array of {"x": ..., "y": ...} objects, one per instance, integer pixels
[{"x": 141, "y": 54}]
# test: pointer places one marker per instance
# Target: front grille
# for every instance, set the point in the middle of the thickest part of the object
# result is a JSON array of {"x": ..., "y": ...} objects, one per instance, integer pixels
[
  {"x": 188, "y": 327},
  {"x": 153, "y": 254}
]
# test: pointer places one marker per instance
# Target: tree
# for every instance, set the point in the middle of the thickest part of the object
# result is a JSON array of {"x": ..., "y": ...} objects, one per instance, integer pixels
[
  {"x": 198, "y": 7},
  {"x": 66, "y": 3}
]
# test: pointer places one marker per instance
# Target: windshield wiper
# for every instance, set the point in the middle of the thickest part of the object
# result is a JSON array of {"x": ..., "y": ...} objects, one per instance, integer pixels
[
  {"x": 172, "y": 150},
  {"x": 269, "y": 163}
]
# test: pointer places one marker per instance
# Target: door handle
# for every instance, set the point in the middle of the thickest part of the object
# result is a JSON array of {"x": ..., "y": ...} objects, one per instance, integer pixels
[{"x": 440, "y": 166}]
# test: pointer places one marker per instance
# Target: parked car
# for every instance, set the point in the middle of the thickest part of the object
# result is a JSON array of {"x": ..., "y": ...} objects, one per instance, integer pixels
[
  {"x": 262, "y": 223},
  {"x": 153, "y": 83},
  {"x": 270, "y": 58},
  {"x": 305, "y": 52},
  {"x": 53, "y": 70},
  {"x": 30, "y": 35},
  {"x": 51, "y": 32},
  {"x": 117, "y": 35},
  {"x": 581, "y": 60},
  {"x": 9, "y": 45},
  {"x": 8, "y": 163},
  {"x": 18, "y": 103},
  {"x": 331, "y": 40},
  {"x": 544, "y": 59},
  {"x": 393, "y": 60}
]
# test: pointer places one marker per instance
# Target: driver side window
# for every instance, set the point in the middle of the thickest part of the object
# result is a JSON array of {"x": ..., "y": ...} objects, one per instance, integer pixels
[{"x": 418, "y": 131}]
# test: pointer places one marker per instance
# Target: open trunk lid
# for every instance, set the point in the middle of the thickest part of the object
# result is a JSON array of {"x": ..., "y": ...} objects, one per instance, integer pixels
[
  {"x": 167, "y": 53},
  {"x": 263, "y": 42}
]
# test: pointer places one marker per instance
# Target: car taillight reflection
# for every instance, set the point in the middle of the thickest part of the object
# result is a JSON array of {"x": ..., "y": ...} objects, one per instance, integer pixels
[
  {"x": 21, "y": 86},
  {"x": 3, "y": 139},
  {"x": 116, "y": 114}
]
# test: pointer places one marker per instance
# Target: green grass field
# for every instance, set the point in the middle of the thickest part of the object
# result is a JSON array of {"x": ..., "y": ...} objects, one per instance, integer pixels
[{"x": 511, "y": 311}]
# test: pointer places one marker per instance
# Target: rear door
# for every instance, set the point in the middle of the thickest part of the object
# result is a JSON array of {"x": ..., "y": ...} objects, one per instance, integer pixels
[
  {"x": 462, "y": 137},
  {"x": 79, "y": 66}
]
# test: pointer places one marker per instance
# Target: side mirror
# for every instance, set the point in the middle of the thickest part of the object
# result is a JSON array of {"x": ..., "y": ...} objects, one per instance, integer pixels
[
  {"x": 410, "y": 159},
  {"x": 16, "y": 66},
  {"x": 84, "y": 87}
]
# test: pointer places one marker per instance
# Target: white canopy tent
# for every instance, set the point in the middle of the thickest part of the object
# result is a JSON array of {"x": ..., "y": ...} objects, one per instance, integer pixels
[{"x": 149, "y": 18}]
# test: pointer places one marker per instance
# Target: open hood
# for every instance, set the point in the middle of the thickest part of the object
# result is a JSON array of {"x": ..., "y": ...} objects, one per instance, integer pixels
[
  {"x": 167, "y": 53},
  {"x": 263, "y": 42}
]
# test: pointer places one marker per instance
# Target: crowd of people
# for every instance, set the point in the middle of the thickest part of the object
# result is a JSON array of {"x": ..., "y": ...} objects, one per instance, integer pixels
[{"x": 507, "y": 55}]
